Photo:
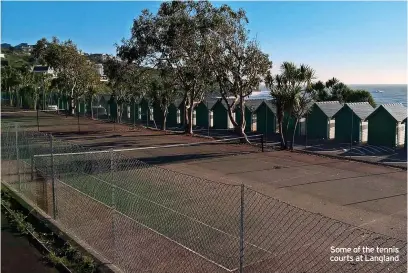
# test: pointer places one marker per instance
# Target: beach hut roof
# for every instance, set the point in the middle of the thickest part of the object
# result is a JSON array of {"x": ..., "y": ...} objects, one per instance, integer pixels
[
  {"x": 397, "y": 110},
  {"x": 361, "y": 109},
  {"x": 220, "y": 100},
  {"x": 178, "y": 102},
  {"x": 269, "y": 104},
  {"x": 329, "y": 108},
  {"x": 253, "y": 104},
  {"x": 208, "y": 102}
]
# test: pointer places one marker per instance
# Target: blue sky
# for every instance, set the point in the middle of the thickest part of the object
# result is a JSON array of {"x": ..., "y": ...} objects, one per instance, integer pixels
[{"x": 356, "y": 42}]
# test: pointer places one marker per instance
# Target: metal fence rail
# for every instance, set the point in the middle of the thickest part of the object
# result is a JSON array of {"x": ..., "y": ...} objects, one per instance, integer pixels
[{"x": 149, "y": 219}]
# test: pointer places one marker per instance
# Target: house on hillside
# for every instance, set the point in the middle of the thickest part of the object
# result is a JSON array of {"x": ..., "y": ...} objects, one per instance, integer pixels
[
  {"x": 319, "y": 122},
  {"x": 266, "y": 119},
  {"x": 24, "y": 47},
  {"x": 351, "y": 124},
  {"x": 45, "y": 70},
  {"x": 386, "y": 126}
]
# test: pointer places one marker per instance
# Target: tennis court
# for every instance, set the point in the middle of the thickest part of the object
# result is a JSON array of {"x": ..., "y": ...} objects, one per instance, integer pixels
[{"x": 190, "y": 205}]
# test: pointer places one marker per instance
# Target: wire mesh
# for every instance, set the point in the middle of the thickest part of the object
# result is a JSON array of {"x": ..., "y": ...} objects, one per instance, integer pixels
[{"x": 149, "y": 219}]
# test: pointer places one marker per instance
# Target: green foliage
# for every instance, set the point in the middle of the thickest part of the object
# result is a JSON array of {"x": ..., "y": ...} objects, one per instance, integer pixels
[
  {"x": 293, "y": 93},
  {"x": 334, "y": 90}
]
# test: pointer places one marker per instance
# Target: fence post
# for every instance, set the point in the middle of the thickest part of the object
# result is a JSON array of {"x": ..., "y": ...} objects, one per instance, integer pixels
[
  {"x": 17, "y": 157},
  {"x": 241, "y": 232},
  {"x": 111, "y": 153},
  {"x": 32, "y": 168},
  {"x": 54, "y": 199},
  {"x": 38, "y": 121},
  {"x": 351, "y": 132},
  {"x": 113, "y": 203},
  {"x": 134, "y": 113}
]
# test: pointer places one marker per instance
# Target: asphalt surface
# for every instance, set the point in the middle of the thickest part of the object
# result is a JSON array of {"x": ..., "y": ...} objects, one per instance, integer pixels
[{"x": 17, "y": 255}]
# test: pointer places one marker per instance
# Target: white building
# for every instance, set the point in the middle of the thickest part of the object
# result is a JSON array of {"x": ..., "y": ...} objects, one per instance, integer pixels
[{"x": 44, "y": 69}]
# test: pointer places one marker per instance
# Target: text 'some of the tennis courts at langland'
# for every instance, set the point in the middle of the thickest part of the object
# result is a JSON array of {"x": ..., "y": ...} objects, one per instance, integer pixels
[{"x": 364, "y": 254}]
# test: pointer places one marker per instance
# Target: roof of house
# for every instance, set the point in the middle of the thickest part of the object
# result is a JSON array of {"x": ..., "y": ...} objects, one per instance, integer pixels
[
  {"x": 329, "y": 108},
  {"x": 397, "y": 110},
  {"x": 361, "y": 109}
]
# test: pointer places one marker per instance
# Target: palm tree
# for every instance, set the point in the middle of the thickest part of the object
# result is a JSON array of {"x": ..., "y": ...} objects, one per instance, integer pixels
[
  {"x": 290, "y": 90},
  {"x": 280, "y": 94}
]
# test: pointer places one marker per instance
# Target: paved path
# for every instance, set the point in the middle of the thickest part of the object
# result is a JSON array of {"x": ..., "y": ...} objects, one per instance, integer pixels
[{"x": 17, "y": 255}]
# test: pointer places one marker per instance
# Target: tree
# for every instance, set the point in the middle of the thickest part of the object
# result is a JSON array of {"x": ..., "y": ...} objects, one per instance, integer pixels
[
  {"x": 10, "y": 80},
  {"x": 163, "y": 91},
  {"x": 73, "y": 69},
  {"x": 126, "y": 80},
  {"x": 292, "y": 94},
  {"x": 176, "y": 36},
  {"x": 335, "y": 90},
  {"x": 238, "y": 63}
]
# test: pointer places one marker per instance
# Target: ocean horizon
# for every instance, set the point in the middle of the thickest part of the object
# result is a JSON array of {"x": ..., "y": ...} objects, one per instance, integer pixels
[{"x": 391, "y": 93}]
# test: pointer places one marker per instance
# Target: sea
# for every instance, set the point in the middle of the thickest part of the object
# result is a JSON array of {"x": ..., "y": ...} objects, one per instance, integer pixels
[{"x": 382, "y": 93}]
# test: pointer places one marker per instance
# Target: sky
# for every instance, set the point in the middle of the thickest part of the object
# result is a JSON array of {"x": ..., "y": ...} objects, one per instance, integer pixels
[{"x": 356, "y": 42}]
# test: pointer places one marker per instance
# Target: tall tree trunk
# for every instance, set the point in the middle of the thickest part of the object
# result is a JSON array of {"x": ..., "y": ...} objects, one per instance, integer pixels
[
  {"x": 92, "y": 108},
  {"x": 280, "y": 122},
  {"x": 190, "y": 117},
  {"x": 164, "y": 120},
  {"x": 240, "y": 128},
  {"x": 293, "y": 135}
]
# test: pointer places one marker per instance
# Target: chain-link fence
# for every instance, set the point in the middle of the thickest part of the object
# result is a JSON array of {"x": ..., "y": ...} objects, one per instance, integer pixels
[{"x": 149, "y": 219}]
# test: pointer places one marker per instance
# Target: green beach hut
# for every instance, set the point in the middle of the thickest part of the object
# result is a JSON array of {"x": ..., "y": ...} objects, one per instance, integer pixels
[
  {"x": 319, "y": 122},
  {"x": 145, "y": 111},
  {"x": 266, "y": 120},
  {"x": 385, "y": 125},
  {"x": 350, "y": 122},
  {"x": 221, "y": 119},
  {"x": 250, "y": 116},
  {"x": 171, "y": 120},
  {"x": 180, "y": 110},
  {"x": 203, "y": 112},
  {"x": 289, "y": 128}
]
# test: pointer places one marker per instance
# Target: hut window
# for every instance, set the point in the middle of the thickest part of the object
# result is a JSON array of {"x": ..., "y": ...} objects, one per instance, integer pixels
[
  {"x": 128, "y": 111},
  {"x": 253, "y": 126},
  {"x": 178, "y": 116},
  {"x": 194, "y": 118},
  {"x": 139, "y": 113},
  {"x": 211, "y": 119},
  {"x": 151, "y": 113}
]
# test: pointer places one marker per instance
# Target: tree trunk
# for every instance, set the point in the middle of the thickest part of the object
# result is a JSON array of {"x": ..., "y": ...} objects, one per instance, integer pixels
[
  {"x": 92, "y": 108},
  {"x": 293, "y": 135},
  {"x": 286, "y": 133},
  {"x": 164, "y": 120},
  {"x": 119, "y": 113},
  {"x": 189, "y": 128},
  {"x": 280, "y": 122}
]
